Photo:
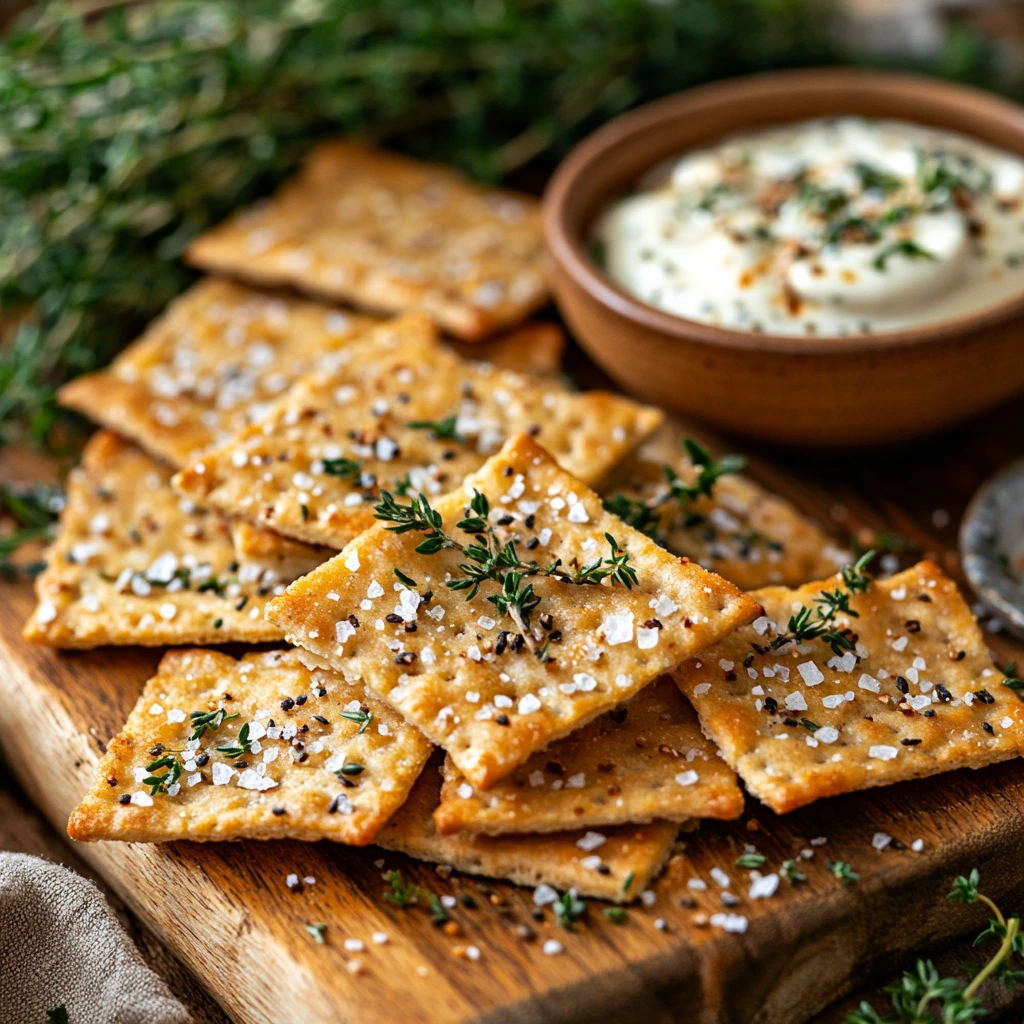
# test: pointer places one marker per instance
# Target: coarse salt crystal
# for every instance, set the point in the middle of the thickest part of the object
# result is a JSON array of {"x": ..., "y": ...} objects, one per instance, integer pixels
[
  {"x": 810, "y": 673},
  {"x": 880, "y": 840},
  {"x": 617, "y": 628},
  {"x": 867, "y": 682},
  {"x": 763, "y": 887},
  {"x": 544, "y": 894},
  {"x": 883, "y": 752},
  {"x": 647, "y": 638},
  {"x": 528, "y": 704},
  {"x": 795, "y": 701}
]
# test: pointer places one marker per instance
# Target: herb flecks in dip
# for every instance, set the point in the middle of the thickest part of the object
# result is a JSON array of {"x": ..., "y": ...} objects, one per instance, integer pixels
[{"x": 827, "y": 227}]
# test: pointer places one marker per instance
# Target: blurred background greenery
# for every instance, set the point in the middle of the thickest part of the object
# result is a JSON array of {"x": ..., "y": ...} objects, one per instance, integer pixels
[{"x": 128, "y": 127}]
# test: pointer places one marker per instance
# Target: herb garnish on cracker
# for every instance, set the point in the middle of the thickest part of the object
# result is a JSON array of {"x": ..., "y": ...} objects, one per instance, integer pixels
[
  {"x": 488, "y": 690},
  {"x": 260, "y": 748},
  {"x": 895, "y": 682}
]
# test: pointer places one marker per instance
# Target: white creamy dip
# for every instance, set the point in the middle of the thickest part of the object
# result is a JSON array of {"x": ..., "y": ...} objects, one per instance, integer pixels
[{"x": 827, "y": 227}]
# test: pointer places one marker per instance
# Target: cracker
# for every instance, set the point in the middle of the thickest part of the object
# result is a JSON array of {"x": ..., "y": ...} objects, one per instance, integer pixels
[
  {"x": 645, "y": 760},
  {"x": 462, "y": 676},
  {"x": 264, "y": 555},
  {"x": 534, "y": 348},
  {"x": 314, "y": 467},
  {"x": 393, "y": 234},
  {"x": 340, "y": 779},
  {"x": 135, "y": 564},
  {"x": 212, "y": 363},
  {"x": 743, "y": 532},
  {"x": 913, "y": 627},
  {"x": 619, "y": 870}
]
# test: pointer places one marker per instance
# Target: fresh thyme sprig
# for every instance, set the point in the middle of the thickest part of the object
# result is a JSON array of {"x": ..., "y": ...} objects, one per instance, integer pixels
[
  {"x": 440, "y": 429},
  {"x": 34, "y": 513},
  {"x": 244, "y": 745},
  {"x": 642, "y": 514},
  {"x": 569, "y": 909},
  {"x": 212, "y": 720},
  {"x": 923, "y": 996},
  {"x": 350, "y": 468},
  {"x": 489, "y": 559},
  {"x": 364, "y": 718},
  {"x": 817, "y": 624},
  {"x": 160, "y": 783}
]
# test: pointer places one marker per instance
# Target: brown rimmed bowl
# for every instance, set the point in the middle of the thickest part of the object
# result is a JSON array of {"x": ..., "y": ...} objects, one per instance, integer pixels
[{"x": 857, "y": 390}]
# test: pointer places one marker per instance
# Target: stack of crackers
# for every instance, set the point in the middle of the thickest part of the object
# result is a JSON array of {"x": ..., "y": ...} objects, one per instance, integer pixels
[{"x": 514, "y": 628}]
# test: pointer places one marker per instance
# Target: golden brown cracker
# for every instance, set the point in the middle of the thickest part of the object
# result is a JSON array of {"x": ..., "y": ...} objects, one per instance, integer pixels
[
  {"x": 741, "y": 531},
  {"x": 644, "y": 760},
  {"x": 918, "y": 695},
  {"x": 134, "y": 563},
  {"x": 393, "y": 234},
  {"x": 619, "y": 869},
  {"x": 455, "y": 667},
  {"x": 210, "y": 365},
  {"x": 402, "y": 413},
  {"x": 296, "y": 753}
]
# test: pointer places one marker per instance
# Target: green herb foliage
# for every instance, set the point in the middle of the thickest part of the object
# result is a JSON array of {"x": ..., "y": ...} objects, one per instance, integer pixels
[
  {"x": 818, "y": 623},
  {"x": 33, "y": 513},
  {"x": 203, "y": 720},
  {"x": 643, "y": 514},
  {"x": 58, "y": 1015},
  {"x": 126, "y": 132},
  {"x": 922, "y": 996},
  {"x": 491, "y": 560},
  {"x": 569, "y": 909}
]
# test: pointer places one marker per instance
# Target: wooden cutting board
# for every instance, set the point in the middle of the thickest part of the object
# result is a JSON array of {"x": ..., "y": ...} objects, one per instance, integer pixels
[{"x": 226, "y": 911}]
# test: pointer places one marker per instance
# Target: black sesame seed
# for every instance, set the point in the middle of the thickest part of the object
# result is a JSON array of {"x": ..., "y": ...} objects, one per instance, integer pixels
[
  {"x": 287, "y": 704},
  {"x": 278, "y": 811},
  {"x": 910, "y": 742},
  {"x": 124, "y": 798},
  {"x": 427, "y": 597},
  {"x": 529, "y": 521},
  {"x": 748, "y": 660},
  {"x": 202, "y": 759},
  {"x": 603, "y": 869},
  {"x": 502, "y": 642},
  {"x": 346, "y": 782},
  {"x": 241, "y": 765},
  {"x": 729, "y": 899},
  {"x": 405, "y": 658},
  {"x": 507, "y": 471},
  {"x": 902, "y": 685},
  {"x": 502, "y": 719},
  {"x": 321, "y": 720},
  {"x": 556, "y": 636},
  {"x": 410, "y": 627},
  {"x": 944, "y": 694},
  {"x": 333, "y": 806},
  {"x": 791, "y": 722},
  {"x": 301, "y": 699},
  {"x": 532, "y": 544},
  {"x": 925, "y": 598},
  {"x": 930, "y": 713},
  {"x": 241, "y": 604},
  {"x": 320, "y": 692},
  {"x": 518, "y": 642},
  {"x": 353, "y": 621},
  {"x": 506, "y": 520},
  {"x": 984, "y": 696},
  {"x": 771, "y": 704},
  {"x": 546, "y": 621},
  {"x": 987, "y": 726},
  {"x": 467, "y": 901},
  {"x": 392, "y": 618}
]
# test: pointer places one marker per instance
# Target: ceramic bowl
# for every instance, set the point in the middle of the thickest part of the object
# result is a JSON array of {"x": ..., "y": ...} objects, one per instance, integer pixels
[
  {"x": 866, "y": 389},
  {"x": 992, "y": 545}
]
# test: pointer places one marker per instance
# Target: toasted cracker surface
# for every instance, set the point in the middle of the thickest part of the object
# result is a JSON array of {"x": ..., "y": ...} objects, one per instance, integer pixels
[
  {"x": 743, "y": 532},
  {"x": 462, "y": 676},
  {"x": 401, "y": 412},
  {"x": 285, "y": 785},
  {"x": 263, "y": 554},
  {"x": 920, "y": 694},
  {"x": 391, "y": 233},
  {"x": 534, "y": 348},
  {"x": 646, "y": 759},
  {"x": 133, "y": 563},
  {"x": 209, "y": 365},
  {"x": 629, "y": 853}
]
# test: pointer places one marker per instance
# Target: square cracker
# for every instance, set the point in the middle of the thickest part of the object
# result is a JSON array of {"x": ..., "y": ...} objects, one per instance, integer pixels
[
  {"x": 913, "y": 627},
  {"x": 630, "y": 853},
  {"x": 487, "y": 698},
  {"x": 533, "y": 348},
  {"x": 743, "y": 532},
  {"x": 135, "y": 564},
  {"x": 314, "y": 467},
  {"x": 393, "y": 234},
  {"x": 645, "y": 760},
  {"x": 289, "y": 785},
  {"x": 212, "y": 363}
]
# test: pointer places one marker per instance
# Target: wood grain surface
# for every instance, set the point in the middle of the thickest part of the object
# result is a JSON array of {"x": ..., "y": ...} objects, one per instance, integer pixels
[{"x": 225, "y": 910}]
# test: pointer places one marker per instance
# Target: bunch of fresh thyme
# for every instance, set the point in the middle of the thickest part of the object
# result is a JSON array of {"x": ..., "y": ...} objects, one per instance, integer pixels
[
  {"x": 922, "y": 996},
  {"x": 489, "y": 559},
  {"x": 643, "y": 514}
]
